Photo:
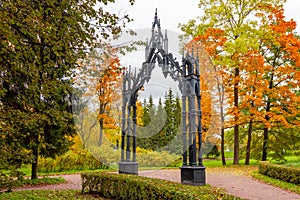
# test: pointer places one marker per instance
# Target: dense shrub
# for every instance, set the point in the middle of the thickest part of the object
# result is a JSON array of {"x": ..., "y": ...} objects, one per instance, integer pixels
[
  {"x": 121, "y": 186},
  {"x": 296, "y": 153},
  {"x": 101, "y": 158},
  {"x": 285, "y": 173},
  {"x": 213, "y": 152},
  {"x": 79, "y": 160},
  {"x": 156, "y": 159}
]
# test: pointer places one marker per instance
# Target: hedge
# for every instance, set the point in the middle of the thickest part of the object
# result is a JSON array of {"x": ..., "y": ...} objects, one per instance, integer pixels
[
  {"x": 285, "y": 173},
  {"x": 124, "y": 186}
]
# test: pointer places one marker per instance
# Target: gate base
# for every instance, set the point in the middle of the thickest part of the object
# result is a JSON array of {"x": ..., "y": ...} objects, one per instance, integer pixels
[
  {"x": 193, "y": 175},
  {"x": 128, "y": 167}
]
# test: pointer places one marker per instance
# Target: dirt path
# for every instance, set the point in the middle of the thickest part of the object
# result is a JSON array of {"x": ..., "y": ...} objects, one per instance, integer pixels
[{"x": 236, "y": 184}]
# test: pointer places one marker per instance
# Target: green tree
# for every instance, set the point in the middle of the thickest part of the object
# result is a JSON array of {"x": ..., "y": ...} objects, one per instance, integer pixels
[
  {"x": 41, "y": 42},
  {"x": 161, "y": 125},
  {"x": 148, "y": 129},
  {"x": 172, "y": 126},
  {"x": 174, "y": 144}
]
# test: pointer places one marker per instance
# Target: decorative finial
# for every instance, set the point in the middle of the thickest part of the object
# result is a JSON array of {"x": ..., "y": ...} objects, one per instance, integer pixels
[{"x": 155, "y": 19}]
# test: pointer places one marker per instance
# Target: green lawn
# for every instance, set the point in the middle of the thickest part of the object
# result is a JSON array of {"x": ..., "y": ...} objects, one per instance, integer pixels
[
  {"x": 293, "y": 164},
  {"x": 46, "y": 194},
  {"x": 26, "y": 169},
  {"x": 288, "y": 159}
]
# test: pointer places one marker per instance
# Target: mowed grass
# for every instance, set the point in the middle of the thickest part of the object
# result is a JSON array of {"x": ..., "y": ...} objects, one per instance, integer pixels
[
  {"x": 44, "y": 181},
  {"x": 292, "y": 161},
  {"x": 295, "y": 164},
  {"x": 26, "y": 169},
  {"x": 47, "y": 194},
  {"x": 277, "y": 183}
]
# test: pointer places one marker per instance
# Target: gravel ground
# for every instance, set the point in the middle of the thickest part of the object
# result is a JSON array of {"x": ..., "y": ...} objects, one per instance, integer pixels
[{"x": 235, "y": 184}]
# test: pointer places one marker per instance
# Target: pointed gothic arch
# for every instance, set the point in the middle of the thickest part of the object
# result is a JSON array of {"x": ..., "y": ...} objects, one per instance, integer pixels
[{"x": 188, "y": 77}]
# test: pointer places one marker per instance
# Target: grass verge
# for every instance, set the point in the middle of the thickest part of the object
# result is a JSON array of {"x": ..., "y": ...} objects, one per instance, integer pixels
[
  {"x": 28, "y": 182},
  {"x": 47, "y": 194},
  {"x": 277, "y": 183},
  {"x": 44, "y": 181},
  {"x": 26, "y": 169}
]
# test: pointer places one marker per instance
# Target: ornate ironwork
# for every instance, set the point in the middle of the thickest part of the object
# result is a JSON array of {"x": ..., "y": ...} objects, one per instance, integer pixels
[{"x": 188, "y": 77}]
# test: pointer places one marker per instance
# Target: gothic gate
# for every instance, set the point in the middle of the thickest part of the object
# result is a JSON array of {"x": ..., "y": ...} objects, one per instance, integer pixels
[{"x": 188, "y": 77}]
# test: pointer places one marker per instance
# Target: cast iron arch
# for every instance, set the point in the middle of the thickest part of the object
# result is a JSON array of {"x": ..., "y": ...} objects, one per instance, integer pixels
[{"x": 188, "y": 77}]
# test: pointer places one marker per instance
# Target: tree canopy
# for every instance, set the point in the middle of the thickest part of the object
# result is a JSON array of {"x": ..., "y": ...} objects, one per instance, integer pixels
[{"x": 41, "y": 43}]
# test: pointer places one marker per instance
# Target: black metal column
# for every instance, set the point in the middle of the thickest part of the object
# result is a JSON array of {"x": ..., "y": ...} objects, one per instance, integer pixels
[
  {"x": 129, "y": 166},
  {"x": 184, "y": 150},
  {"x": 192, "y": 172}
]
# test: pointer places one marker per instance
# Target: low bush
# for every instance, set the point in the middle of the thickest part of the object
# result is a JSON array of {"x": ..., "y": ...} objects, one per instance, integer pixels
[
  {"x": 156, "y": 159},
  {"x": 71, "y": 160},
  {"x": 285, "y": 173},
  {"x": 122, "y": 186}
]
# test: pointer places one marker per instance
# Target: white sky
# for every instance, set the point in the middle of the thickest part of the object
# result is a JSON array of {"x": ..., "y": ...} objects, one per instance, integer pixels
[{"x": 173, "y": 12}]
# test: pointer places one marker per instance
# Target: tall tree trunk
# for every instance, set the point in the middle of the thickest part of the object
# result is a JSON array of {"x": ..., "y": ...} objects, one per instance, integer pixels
[
  {"x": 222, "y": 117},
  {"x": 265, "y": 144},
  {"x": 222, "y": 146},
  {"x": 266, "y": 133},
  {"x": 236, "y": 126},
  {"x": 222, "y": 129},
  {"x": 101, "y": 132},
  {"x": 267, "y": 118},
  {"x": 248, "y": 148},
  {"x": 34, "y": 164}
]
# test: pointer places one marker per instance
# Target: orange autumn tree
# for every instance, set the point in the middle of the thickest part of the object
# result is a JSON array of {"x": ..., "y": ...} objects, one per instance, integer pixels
[
  {"x": 210, "y": 45},
  {"x": 280, "y": 49},
  {"x": 101, "y": 77},
  {"x": 252, "y": 86},
  {"x": 108, "y": 90},
  {"x": 213, "y": 41}
]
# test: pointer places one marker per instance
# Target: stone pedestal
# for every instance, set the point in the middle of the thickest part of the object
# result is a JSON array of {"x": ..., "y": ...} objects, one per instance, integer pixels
[
  {"x": 193, "y": 175},
  {"x": 128, "y": 167}
]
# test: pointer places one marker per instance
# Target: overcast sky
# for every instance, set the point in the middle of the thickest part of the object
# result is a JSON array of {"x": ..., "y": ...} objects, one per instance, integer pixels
[{"x": 173, "y": 12}]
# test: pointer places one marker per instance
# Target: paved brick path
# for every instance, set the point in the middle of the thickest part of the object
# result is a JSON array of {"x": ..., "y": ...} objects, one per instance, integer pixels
[{"x": 237, "y": 185}]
